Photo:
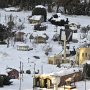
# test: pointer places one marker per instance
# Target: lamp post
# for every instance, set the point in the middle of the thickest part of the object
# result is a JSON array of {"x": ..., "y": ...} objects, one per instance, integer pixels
[
  {"x": 85, "y": 74},
  {"x": 20, "y": 76},
  {"x": 34, "y": 76},
  {"x": 65, "y": 47}
]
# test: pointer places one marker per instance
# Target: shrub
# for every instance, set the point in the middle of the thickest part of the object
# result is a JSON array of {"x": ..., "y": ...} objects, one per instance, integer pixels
[{"x": 1, "y": 81}]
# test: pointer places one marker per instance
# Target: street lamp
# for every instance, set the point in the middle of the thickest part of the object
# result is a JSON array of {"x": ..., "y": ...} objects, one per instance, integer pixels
[
  {"x": 34, "y": 76},
  {"x": 85, "y": 74}
]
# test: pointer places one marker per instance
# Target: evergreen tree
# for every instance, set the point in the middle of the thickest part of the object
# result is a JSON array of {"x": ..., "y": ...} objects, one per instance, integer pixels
[{"x": 3, "y": 32}]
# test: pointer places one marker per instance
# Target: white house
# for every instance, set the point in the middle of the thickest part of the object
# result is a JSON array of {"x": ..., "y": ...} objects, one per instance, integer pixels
[
  {"x": 23, "y": 47},
  {"x": 36, "y": 19}
]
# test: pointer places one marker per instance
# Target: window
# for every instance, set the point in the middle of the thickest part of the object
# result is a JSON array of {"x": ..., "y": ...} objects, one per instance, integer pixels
[
  {"x": 85, "y": 54},
  {"x": 82, "y": 54},
  {"x": 50, "y": 62}
]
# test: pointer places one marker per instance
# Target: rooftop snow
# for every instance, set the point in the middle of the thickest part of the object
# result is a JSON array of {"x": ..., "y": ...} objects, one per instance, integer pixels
[
  {"x": 11, "y": 9},
  {"x": 39, "y": 6},
  {"x": 65, "y": 72},
  {"x": 36, "y": 17}
]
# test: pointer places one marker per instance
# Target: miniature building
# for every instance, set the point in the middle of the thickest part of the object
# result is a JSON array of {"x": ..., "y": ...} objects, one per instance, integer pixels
[
  {"x": 68, "y": 34},
  {"x": 40, "y": 10},
  {"x": 55, "y": 59},
  {"x": 40, "y": 27},
  {"x": 46, "y": 80},
  {"x": 19, "y": 36},
  {"x": 23, "y": 47},
  {"x": 40, "y": 39},
  {"x": 13, "y": 74},
  {"x": 36, "y": 19},
  {"x": 82, "y": 54},
  {"x": 43, "y": 81}
]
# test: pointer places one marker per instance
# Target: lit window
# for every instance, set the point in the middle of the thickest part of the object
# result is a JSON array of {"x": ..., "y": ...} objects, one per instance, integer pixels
[
  {"x": 85, "y": 54},
  {"x": 82, "y": 54}
]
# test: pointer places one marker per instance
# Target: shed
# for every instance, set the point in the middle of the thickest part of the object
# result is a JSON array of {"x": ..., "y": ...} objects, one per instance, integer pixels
[
  {"x": 19, "y": 36},
  {"x": 23, "y": 47},
  {"x": 40, "y": 10},
  {"x": 39, "y": 37},
  {"x": 55, "y": 59},
  {"x": 13, "y": 74},
  {"x": 36, "y": 19}
]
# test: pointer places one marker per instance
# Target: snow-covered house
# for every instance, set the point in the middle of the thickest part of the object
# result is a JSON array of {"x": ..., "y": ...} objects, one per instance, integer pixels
[
  {"x": 55, "y": 59},
  {"x": 58, "y": 19},
  {"x": 40, "y": 10},
  {"x": 13, "y": 74},
  {"x": 82, "y": 54},
  {"x": 36, "y": 19},
  {"x": 12, "y": 9},
  {"x": 23, "y": 47},
  {"x": 39, "y": 38},
  {"x": 46, "y": 80},
  {"x": 19, "y": 36}
]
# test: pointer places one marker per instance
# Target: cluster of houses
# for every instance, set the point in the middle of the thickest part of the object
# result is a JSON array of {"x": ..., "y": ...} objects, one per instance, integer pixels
[{"x": 81, "y": 54}]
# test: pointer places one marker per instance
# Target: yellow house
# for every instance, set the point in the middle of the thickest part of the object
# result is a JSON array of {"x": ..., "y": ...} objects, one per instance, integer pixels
[
  {"x": 48, "y": 80},
  {"x": 43, "y": 81},
  {"x": 55, "y": 59},
  {"x": 82, "y": 54}
]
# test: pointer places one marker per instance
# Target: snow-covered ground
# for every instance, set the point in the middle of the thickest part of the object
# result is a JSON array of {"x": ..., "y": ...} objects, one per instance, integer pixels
[{"x": 11, "y": 57}]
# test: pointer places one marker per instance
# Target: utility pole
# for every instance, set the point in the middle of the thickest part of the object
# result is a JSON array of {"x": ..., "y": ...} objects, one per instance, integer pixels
[
  {"x": 34, "y": 76},
  {"x": 85, "y": 76},
  {"x": 20, "y": 76},
  {"x": 65, "y": 48},
  {"x": 42, "y": 69},
  {"x": 22, "y": 71}
]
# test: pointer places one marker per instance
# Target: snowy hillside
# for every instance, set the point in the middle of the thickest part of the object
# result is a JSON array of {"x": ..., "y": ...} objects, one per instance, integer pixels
[{"x": 11, "y": 57}]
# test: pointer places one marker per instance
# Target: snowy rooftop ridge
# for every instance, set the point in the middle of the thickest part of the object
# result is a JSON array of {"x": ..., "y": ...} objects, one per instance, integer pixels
[
  {"x": 36, "y": 17},
  {"x": 65, "y": 72},
  {"x": 39, "y": 6},
  {"x": 11, "y": 9}
]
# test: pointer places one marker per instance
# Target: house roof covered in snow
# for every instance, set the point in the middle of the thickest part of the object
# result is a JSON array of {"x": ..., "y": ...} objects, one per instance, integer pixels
[
  {"x": 39, "y": 6},
  {"x": 22, "y": 44},
  {"x": 11, "y": 9},
  {"x": 65, "y": 72},
  {"x": 39, "y": 34},
  {"x": 36, "y": 17}
]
